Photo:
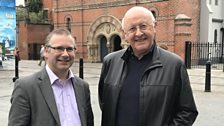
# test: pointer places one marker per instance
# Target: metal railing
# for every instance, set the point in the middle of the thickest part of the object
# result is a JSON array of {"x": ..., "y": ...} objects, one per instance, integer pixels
[{"x": 197, "y": 54}]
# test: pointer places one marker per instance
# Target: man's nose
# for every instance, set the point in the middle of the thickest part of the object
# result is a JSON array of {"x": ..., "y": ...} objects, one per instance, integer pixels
[
  {"x": 65, "y": 52},
  {"x": 138, "y": 31}
]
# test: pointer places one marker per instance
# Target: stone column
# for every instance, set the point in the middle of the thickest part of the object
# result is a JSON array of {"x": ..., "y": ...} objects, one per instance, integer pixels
[
  {"x": 93, "y": 52},
  {"x": 182, "y": 33}
]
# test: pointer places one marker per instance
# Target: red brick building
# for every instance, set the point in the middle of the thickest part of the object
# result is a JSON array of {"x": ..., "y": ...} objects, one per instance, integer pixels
[
  {"x": 30, "y": 38},
  {"x": 96, "y": 24}
]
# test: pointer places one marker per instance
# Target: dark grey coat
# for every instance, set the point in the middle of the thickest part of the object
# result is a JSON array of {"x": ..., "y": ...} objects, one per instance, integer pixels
[{"x": 33, "y": 102}]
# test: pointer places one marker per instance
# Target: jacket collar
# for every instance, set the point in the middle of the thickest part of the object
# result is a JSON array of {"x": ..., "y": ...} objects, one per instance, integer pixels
[
  {"x": 129, "y": 52},
  {"x": 47, "y": 91},
  {"x": 154, "y": 51}
]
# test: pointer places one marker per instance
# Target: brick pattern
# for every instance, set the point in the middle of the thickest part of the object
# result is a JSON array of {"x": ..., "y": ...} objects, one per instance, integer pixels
[
  {"x": 30, "y": 35},
  {"x": 84, "y": 14}
]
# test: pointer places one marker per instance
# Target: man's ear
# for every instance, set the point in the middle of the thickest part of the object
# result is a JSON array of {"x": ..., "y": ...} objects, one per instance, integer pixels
[{"x": 46, "y": 49}]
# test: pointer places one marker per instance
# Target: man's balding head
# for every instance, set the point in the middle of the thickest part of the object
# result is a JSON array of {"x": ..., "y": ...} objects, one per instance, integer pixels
[{"x": 137, "y": 10}]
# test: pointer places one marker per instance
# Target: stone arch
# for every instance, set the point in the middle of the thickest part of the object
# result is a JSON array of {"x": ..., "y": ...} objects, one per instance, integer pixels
[
  {"x": 155, "y": 11},
  {"x": 102, "y": 26},
  {"x": 68, "y": 16}
]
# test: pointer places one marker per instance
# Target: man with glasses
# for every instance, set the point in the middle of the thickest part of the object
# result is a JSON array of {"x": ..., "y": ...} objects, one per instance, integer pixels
[
  {"x": 144, "y": 85},
  {"x": 54, "y": 96}
]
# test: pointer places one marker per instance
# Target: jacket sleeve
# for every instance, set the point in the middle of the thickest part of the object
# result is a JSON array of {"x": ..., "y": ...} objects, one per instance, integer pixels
[
  {"x": 19, "y": 114},
  {"x": 90, "y": 118},
  {"x": 101, "y": 83},
  {"x": 186, "y": 111},
  {"x": 100, "y": 88}
]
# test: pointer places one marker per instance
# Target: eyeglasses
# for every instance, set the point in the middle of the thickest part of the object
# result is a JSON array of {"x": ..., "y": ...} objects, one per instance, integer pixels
[
  {"x": 61, "y": 49},
  {"x": 141, "y": 27}
]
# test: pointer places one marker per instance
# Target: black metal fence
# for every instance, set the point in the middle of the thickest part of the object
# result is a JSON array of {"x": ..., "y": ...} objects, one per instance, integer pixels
[{"x": 197, "y": 54}]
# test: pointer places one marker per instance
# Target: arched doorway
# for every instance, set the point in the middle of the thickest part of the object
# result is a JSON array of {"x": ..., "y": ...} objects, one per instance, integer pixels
[
  {"x": 103, "y": 47},
  {"x": 100, "y": 42},
  {"x": 116, "y": 43}
]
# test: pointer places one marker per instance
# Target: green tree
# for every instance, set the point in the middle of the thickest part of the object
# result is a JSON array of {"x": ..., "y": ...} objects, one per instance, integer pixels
[
  {"x": 36, "y": 17},
  {"x": 34, "y": 6},
  {"x": 21, "y": 13},
  {"x": 32, "y": 12}
]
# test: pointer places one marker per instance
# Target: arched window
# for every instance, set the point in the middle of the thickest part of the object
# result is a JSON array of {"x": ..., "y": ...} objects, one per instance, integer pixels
[
  {"x": 210, "y": 2},
  {"x": 68, "y": 24},
  {"x": 215, "y": 36},
  {"x": 216, "y": 2},
  {"x": 154, "y": 14}
]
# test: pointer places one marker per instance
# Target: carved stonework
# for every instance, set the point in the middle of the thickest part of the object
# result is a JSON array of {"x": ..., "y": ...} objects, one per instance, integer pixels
[
  {"x": 105, "y": 26},
  {"x": 105, "y": 5},
  {"x": 108, "y": 28},
  {"x": 182, "y": 25}
]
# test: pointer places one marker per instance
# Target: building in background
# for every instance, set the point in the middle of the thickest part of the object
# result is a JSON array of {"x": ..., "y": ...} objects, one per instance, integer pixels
[
  {"x": 212, "y": 21},
  {"x": 212, "y": 30},
  {"x": 31, "y": 29},
  {"x": 96, "y": 24},
  {"x": 31, "y": 37}
]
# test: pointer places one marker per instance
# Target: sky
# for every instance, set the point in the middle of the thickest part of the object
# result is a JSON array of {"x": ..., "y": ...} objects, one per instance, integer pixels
[{"x": 19, "y": 2}]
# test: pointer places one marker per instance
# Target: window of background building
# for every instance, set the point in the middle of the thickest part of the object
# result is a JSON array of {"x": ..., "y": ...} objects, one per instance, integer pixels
[
  {"x": 154, "y": 14},
  {"x": 215, "y": 36},
  {"x": 216, "y": 2},
  {"x": 45, "y": 15},
  {"x": 68, "y": 24}
]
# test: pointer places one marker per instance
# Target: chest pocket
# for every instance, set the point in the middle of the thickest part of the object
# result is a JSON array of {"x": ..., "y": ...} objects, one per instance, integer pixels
[{"x": 158, "y": 77}]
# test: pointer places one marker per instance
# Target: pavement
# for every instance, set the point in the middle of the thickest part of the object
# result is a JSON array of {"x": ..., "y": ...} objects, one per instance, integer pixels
[{"x": 209, "y": 104}]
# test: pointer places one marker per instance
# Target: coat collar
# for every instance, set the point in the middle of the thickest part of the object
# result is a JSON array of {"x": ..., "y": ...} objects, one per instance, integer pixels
[
  {"x": 78, "y": 88},
  {"x": 47, "y": 91},
  {"x": 154, "y": 51}
]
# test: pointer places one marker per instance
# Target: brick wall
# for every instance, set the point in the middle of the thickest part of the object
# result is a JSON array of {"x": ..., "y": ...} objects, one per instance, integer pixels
[
  {"x": 83, "y": 15},
  {"x": 31, "y": 36}
]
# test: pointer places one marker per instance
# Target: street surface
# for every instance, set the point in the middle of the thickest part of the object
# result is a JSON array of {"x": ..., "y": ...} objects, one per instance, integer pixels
[{"x": 210, "y": 104}]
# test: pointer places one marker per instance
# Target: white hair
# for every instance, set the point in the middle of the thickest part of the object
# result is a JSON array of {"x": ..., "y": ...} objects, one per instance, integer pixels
[{"x": 138, "y": 8}]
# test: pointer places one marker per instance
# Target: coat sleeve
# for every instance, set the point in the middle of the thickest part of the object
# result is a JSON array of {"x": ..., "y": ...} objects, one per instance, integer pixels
[
  {"x": 101, "y": 83},
  {"x": 186, "y": 111},
  {"x": 100, "y": 88},
  {"x": 90, "y": 118},
  {"x": 19, "y": 114}
]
